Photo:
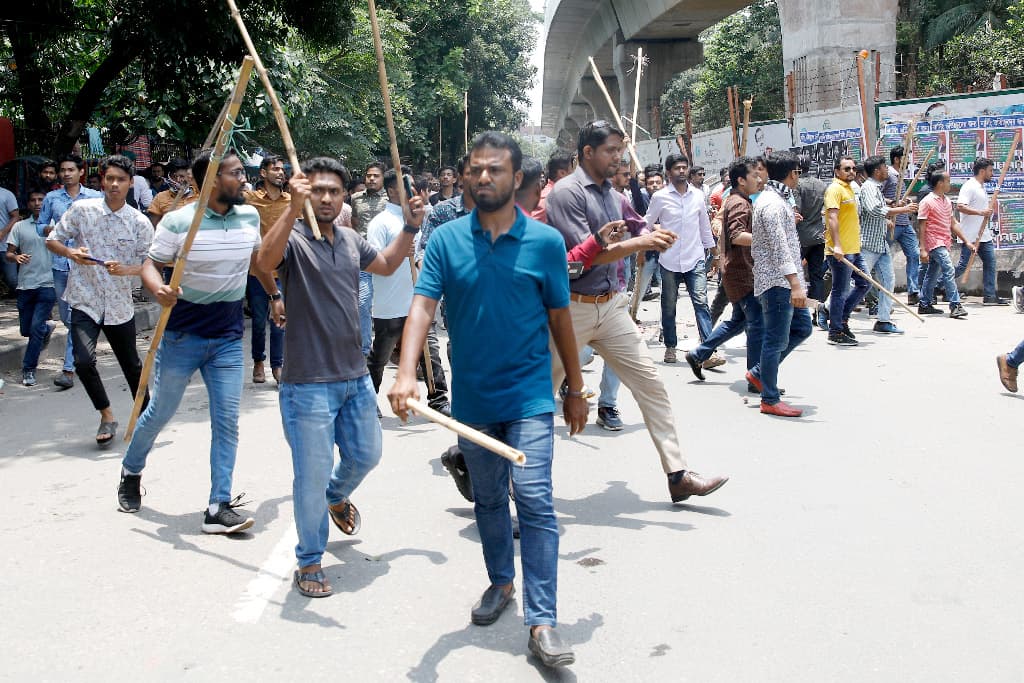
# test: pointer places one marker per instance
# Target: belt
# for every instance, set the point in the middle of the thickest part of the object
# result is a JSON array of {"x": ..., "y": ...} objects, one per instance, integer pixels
[{"x": 592, "y": 298}]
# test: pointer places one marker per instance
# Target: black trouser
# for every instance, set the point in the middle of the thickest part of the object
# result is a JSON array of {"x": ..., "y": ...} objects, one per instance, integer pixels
[
  {"x": 84, "y": 333},
  {"x": 386, "y": 334},
  {"x": 718, "y": 304},
  {"x": 815, "y": 257}
]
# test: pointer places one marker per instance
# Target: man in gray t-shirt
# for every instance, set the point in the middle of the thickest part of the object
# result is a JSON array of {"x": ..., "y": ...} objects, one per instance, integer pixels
[
  {"x": 326, "y": 394},
  {"x": 26, "y": 250},
  {"x": 810, "y": 201}
]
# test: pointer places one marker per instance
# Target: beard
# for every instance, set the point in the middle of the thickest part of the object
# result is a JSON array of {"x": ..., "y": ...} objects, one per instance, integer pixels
[
  {"x": 236, "y": 200},
  {"x": 493, "y": 203}
]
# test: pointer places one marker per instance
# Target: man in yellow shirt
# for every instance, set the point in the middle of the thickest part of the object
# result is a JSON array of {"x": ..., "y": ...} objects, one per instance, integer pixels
[
  {"x": 179, "y": 175},
  {"x": 842, "y": 246},
  {"x": 271, "y": 201}
]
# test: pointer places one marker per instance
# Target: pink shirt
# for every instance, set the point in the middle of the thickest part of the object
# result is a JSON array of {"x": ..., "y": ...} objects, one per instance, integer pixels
[{"x": 937, "y": 212}]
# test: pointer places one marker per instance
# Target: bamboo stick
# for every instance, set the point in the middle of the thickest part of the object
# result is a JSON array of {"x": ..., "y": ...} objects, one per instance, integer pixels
[
  {"x": 881, "y": 288},
  {"x": 747, "y": 104},
  {"x": 636, "y": 90},
  {"x": 227, "y": 123},
  {"x": 917, "y": 176},
  {"x": 479, "y": 438},
  {"x": 615, "y": 112},
  {"x": 991, "y": 205}
]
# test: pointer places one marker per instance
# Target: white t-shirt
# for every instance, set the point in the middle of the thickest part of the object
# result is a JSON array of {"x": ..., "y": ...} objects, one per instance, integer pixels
[
  {"x": 973, "y": 194},
  {"x": 392, "y": 294}
]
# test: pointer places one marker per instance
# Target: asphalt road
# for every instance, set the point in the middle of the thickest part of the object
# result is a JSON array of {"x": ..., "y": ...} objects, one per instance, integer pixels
[{"x": 876, "y": 539}]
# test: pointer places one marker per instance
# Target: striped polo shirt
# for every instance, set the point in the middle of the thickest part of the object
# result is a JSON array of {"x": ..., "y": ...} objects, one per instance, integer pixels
[{"x": 216, "y": 270}]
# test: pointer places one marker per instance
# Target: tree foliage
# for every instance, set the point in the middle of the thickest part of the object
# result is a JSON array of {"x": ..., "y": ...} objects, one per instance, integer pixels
[{"x": 745, "y": 50}]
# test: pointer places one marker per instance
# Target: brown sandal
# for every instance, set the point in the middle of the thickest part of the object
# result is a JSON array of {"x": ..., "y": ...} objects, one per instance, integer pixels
[{"x": 346, "y": 517}]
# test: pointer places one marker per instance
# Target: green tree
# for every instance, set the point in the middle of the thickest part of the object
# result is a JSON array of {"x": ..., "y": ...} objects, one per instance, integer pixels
[{"x": 947, "y": 20}]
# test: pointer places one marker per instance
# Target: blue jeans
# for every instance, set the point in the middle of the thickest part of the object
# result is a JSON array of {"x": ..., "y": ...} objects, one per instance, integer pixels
[
  {"x": 785, "y": 328},
  {"x": 610, "y": 382},
  {"x": 316, "y": 416},
  {"x": 881, "y": 263},
  {"x": 746, "y": 317},
  {"x": 34, "y": 308},
  {"x": 259, "y": 306},
  {"x": 987, "y": 254},
  {"x": 696, "y": 282},
  {"x": 1016, "y": 357},
  {"x": 10, "y": 271},
  {"x": 940, "y": 267},
  {"x": 842, "y": 300},
  {"x": 905, "y": 236},
  {"x": 220, "y": 362},
  {"x": 60, "y": 283},
  {"x": 648, "y": 267},
  {"x": 538, "y": 543},
  {"x": 366, "y": 310}
]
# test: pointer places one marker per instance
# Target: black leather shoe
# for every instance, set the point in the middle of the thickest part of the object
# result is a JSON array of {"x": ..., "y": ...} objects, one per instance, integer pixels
[
  {"x": 695, "y": 366},
  {"x": 453, "y": 461},
  {"x": 550, "y": 649},
  {"x": 492, "y": 603}
]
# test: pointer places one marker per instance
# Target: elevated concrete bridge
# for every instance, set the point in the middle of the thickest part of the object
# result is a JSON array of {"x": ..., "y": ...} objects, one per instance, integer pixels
[{"x": 819, "y": 37}]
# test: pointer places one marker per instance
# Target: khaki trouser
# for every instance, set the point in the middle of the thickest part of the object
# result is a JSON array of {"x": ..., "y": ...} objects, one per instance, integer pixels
[{"x": 608, "y": 328}]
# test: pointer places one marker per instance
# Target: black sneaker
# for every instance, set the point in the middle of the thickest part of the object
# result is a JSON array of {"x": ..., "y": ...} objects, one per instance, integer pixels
[
  {"x": 913, "y": 299},
  {"x": 695, "y": 365},
  {"x": 840, "y": 339},
  {"x": 608, "y": 418},
  {"x": 957, "y": 311},
  {"x": 849, "y": 333},
  {"x": 226, "y": 521},
  {"x": 928, "y": 309},
  {"x": 995, "y": 301},
  {"x": 129, "y": 492}
]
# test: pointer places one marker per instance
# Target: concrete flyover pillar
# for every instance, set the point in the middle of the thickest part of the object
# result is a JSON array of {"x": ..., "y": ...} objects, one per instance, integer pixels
[
  {"x": 820, "y": 41},
  {"x": 664, "y": 59},
  {"x": 593, "y": 96}
]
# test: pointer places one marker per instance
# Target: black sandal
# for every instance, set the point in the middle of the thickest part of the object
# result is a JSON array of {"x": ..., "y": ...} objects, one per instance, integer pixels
[
  {"x": 106, "y": 428},
  {"x": 346, "y": 517},
  {"x": 316, "y": 577}
]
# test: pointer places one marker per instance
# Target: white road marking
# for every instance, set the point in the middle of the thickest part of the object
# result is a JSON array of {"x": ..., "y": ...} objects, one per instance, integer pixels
[{"x": 275, "y": 571}]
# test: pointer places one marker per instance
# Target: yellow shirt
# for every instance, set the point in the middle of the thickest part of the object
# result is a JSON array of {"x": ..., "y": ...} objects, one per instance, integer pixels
[
  {"x": 163, "y": 202},
  {"x": 269, "y": 209},
  {"x": 839, "y": 195}
]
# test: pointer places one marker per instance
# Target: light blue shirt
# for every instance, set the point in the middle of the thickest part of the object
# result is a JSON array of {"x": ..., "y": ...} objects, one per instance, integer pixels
[
  {"x": 55, "y": 204},
  {"x": 392, "y": 294}
]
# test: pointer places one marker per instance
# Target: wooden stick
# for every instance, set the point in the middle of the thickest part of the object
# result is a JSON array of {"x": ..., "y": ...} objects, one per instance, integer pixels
[
  {"x": 615, "y": 112},
  {"x": 396, "y": 159},
  {"x": 282, "y": 124},
  {"x": 479, "y": 438},
  {"x": 636, "y": 90},
  {"x": 733, "y": 115},
  {"x": 689, "y": 130},
  {"x": 881, "y": 288},
  {"x": 862, "y": 94},
  {"x": 991, "y": 205},
  {"x": 747, "y": 104},
  {"x": 216, "y": 126},
  {"x": 227, "y": 123},
  {"x": 917, "y": 176},
  {"x": 465, "y": 125}
]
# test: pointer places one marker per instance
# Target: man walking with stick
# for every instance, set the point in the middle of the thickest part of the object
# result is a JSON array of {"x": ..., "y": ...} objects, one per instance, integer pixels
[
  {"x": 842, "y": 243},
  {"x": 204, "y": 333},
  {"x": 504, "y": 278},
  {"x": 974, "y": 207},
  {"x": 326, "y": 395}
]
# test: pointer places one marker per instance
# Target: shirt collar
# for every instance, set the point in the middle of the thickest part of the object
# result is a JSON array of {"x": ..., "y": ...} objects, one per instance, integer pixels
[
  {"x": 585, "y": 180},
  {"x": 842, "y": 182},
  {"x": 107, "y": 211},
  {"x": 393, "y": 209},
  {"x": 516, "y": 232}
]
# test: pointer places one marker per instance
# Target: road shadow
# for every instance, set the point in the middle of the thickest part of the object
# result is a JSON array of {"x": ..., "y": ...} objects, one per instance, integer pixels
[
  {"x": 507, "y": 635},
  {"x": 610, "y": 507}
]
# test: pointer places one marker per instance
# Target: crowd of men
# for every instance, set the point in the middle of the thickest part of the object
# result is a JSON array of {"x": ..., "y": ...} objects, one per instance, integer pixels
[{"x": 549, "y": 263}]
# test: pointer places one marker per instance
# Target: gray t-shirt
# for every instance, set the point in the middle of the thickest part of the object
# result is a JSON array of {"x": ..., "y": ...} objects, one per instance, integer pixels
[
  {"x": 38, "y": 272},
  {"x": 810, "y": 201},
  {"x": 8, "y": 204},
  {"x": 320, "y": 281}
]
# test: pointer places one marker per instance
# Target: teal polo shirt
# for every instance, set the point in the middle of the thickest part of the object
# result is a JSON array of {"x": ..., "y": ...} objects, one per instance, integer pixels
[{"x": 498, "y": 295}]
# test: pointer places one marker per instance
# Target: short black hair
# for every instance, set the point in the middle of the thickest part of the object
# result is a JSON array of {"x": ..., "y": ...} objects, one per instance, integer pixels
[
  {"x": 421, "y": 183},
  {"x": 463, "y": 162},
  {"x": 202, "y": 162},
  {"x": 174, "y": 165},
  {"x": 269, "y": 161},
  {"x": 595, "y": 133},
  {"x": 448, "y": 168},
  {"x": 895, "y": 153},
  {"x": 673, "y": 159},
  {"x": 559, "y": 161},
  {"x": 326, "y": 165},
  {"x": 532, "y": 171},
  {"x": 49, "y": 163},
  {"x": 72, "y": 158},
  {"x": 981, "y": 163},
  {"x": 781, "y": 164},
  {"x": 115, "y": 161},
  {"x": 935, "y": 177},
  {"x": 391, "y": 178},
  {"x": 375, "y": 164},
  {"x": 498, "y": 140},
  {"x": 35, "y": 188},
  {"x": 653, "y": 169},
  {"x": 805, "y": 162},
  {"x": 694, "y": 170},
  {"x": 740, "y": 168},
  {"x": 840, "y": 159},
  {"x": 873, "y": 163},
  {"x": 723, "y": 173}
]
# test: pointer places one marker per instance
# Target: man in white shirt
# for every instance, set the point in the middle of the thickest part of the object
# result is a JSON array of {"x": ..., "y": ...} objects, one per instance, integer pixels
[
  {"x": 679, "y": 207},
  {"x": 973, "y": 205},
  {"x": 392, "y": 297}
]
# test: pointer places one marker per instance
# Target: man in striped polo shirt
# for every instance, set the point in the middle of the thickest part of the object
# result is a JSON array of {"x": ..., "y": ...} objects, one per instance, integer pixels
[{"x": 204, "y": 333}]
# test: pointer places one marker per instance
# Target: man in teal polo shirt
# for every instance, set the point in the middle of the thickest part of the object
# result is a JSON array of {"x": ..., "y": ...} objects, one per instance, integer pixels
[{"x": 505, "y": 280}]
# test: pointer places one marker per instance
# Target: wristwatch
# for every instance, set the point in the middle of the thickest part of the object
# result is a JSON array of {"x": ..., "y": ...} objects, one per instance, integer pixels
[
  {"x": 411, "y": 229},
  {"x": 276, "y": 296}
]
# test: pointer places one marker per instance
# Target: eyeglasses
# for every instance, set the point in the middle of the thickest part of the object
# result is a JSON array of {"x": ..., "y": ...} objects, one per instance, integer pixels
[
  {"x": 238, "y": 173},
  {"x": 846, "y": 168}
]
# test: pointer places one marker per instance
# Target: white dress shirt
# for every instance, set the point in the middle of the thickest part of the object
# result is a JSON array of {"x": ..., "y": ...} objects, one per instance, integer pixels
[{"x": 685, "y": 215}]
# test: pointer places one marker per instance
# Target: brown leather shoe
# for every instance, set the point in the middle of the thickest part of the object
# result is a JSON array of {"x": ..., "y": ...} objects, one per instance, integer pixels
[
  {"x": 1007, "y": 375},
  {"x": 692, "y": 484},
  {"x": 276, "y": 372},
  {"x": 780, "y": 409},
  {"x": 258, "y": 375}
]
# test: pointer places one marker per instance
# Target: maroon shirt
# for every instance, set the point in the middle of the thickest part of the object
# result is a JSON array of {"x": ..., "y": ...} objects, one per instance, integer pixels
[{"x": 737, "y": 263}]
